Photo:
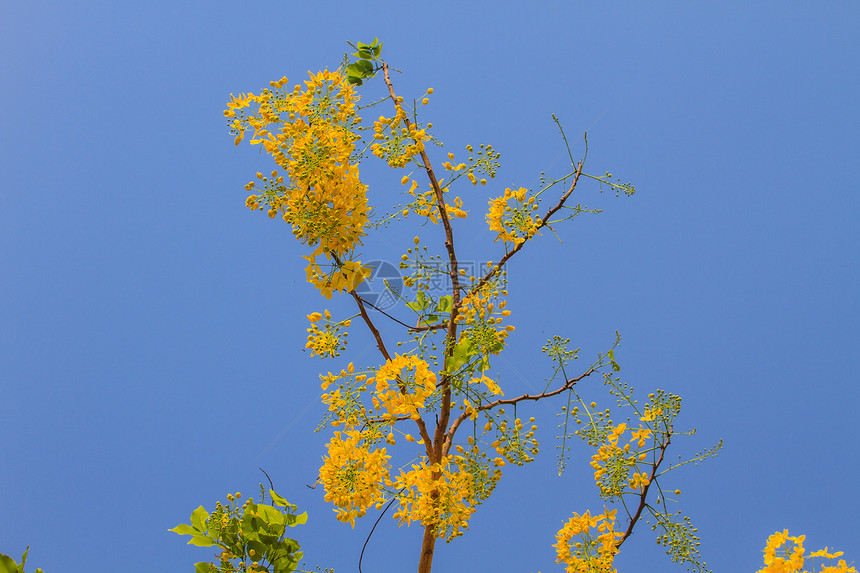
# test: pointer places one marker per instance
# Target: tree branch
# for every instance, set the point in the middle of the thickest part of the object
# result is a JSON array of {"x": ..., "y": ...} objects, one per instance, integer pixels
[
  {"x": 644, "y": 493},
  {"x": 445, "y": 409},
  {"x": 449, "y": 436},
  {"x": 498, "y": 266}
]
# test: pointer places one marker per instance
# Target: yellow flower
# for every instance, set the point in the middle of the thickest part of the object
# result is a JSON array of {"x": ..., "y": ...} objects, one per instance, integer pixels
[
  {"x": 510, "y": 216},
  {"x": 825, "y": 553},
  {"x": 489, "y": 383},
  {"x": 329, "y": 340},
  {"x": 641, "y": 435},
  {"x": 353, "y": 475},
  {"x": 403, "y": 384},
  {"x": 639, "y": 481},
  {"x": 581, "y": 550},
  {"x": 308, "y": 132},
  {"x": 437, "y": 495}
]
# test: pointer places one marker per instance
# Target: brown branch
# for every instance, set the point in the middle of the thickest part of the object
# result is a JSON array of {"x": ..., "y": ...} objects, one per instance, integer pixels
[
  {"x": 360, "y": 302},
  {"x": 445, "y": 408},
  {"x": 379, "y": 343},
  {"x": 428, "y": 327},
  {"x": 449, "y": 436},
  {"x": 543, "y": 223},
  {"x": 440, "y": 199},
  {"x": 644, "y": 493},
  {"x": 428, "y": 545},
  {"x": 422, "y": 428}
]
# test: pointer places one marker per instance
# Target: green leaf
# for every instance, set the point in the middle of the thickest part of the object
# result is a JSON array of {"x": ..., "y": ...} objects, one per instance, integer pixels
[
  {"x": 250, "y": 525},
  {"x": 185, "y": 529},
  {"x": 368, "y": 51},
  {"x": 202, "y": 541},
  {"x": 615, "y": 366},
  {"x": 445, "y": 304},
  {"x": 421, "y": 302},
  {"x": 204, "y": 567},
  {"x": 199, "y": 517},
  {"x": 232, "y": 527},
  {"x": 360, "y": 69},
  {"x": 285, "y": 564},
  {"x": 266, "y": 539},
  {"x": 259, "y": 548},
  {"x": 300, "y": 519},
  {"x": 431, "y": 319},
  {"x": 7, "y": 564},
  {"x": 278, "y": 500},
  {"x": 271, "y": 515},
  {"x": 460, "y": 355}
]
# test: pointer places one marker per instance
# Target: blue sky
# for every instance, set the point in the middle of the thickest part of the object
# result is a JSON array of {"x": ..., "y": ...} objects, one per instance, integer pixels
[{"x": 151, "y": 327}]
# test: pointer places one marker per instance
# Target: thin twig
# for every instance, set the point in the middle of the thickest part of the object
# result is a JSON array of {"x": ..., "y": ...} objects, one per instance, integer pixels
[
  {"x": 372, "y": 529},
  {"x": 379, "y": 343},
  {"x": 644, "y": 493},
  {"x": 445, "y": 409},
  {"x": 373, "y": 306},
  {"x": 449, "y": 437},
  {"x": 498, "y": 266},
  {"x": 271, "y": 485}
]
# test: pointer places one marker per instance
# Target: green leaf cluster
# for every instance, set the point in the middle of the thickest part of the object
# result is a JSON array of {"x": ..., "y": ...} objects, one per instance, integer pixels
[
  {"x": 365, "y": 67},
  {"x": 9, "y": 565},
  {"x": 251, "y": 536},
  {"x": 429, "y": 309}
]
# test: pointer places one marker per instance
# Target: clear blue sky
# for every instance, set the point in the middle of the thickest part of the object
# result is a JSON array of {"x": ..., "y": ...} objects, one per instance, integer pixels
[{"x": 151, "y": 327}]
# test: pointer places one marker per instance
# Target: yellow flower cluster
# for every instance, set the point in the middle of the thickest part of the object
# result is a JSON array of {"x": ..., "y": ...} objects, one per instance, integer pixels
[
  {"x": 425, "y": 204},
  {"x": 344, "y": 402},
  {"x": 492, "y": 385},
  {"x": 469, "y": 170},
  {"x": 399, "y": 142},
  {"x": 327, "y": 341},
  {"x": 307, "y": 131},
  {"x": 650, "y": 414},
  {"x": 476, "y": 464},
  {"x": 354, "y": 475},
  {"x": 344, "y": 277},
  {"x": 436, "y": 495},
  {"x": 456, "y": 210},
  {"x": 482, "y": 315},
  {"x": 785, "y": 554},
  {"x": 517, "y": 447},
  {"x": 584, "y": 551},
  {"x": 613, "y": 463},
  {"x": 513, "y": 223},
  {"x": 402, "y": 386}
]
